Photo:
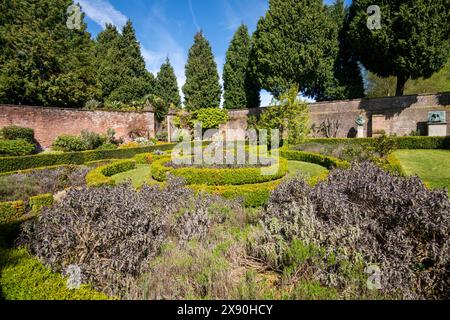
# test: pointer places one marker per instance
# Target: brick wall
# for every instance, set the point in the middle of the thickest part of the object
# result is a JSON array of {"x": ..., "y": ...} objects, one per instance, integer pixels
[
  {"x": 49, "y": 123},
  {"x": 394, "y": 115}
]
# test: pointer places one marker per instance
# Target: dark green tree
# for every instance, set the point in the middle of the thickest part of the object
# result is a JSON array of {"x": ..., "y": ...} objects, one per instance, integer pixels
[
  {"x": 202, "y": 88},
  {"x": 413, "y": 40},
  {"x": 295, "y": 44},
  {"x": 121, "y": 67},
  {"x": 42, "y": 60},
  {"x": 167, "y": 86},
  {"x": 348, "y": 81},
  {"x": 240, "y": 89}
]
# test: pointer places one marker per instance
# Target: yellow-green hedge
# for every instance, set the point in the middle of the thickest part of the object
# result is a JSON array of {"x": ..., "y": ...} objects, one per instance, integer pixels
[
  {"x": 11, "y": 210},
  {"x": 218, "y": 177},
  {"x": 23, "y": 277},
  {"x": 36, "y": 203},
  {"x": 10, "y": 164},
  {"x": 101, "y": 175},
  {"x": 320, "y": 159},
  {"x": 253, "y": 195}
]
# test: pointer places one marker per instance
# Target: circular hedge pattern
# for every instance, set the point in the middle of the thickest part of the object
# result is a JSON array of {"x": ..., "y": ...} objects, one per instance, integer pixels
[{"x": 220, "y": 177}]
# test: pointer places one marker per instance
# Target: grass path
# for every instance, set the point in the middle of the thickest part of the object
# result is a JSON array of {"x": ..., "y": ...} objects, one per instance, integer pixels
[
  {"x": 305, "y": 169},
  {"x": 432, "y": 166}
]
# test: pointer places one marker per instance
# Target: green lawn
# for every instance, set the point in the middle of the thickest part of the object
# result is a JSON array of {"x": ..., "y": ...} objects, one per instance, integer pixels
[
  {"x": 432, "y": 166},
  {"x": 138, "y": 176},
  {"x": 306, "y": 169}
]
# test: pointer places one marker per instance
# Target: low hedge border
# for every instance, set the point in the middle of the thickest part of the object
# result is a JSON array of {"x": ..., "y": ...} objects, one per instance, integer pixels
[
  {"x": 11, "y": 210},
  {"x": 316, "y": 158},
  {"x": 253, "y": 195},
  {"x": 402, "y": 142},
  {"x": 36, "y": 203},
  {"x": 9, "y": 164},
  {"x": 23, "y": 277},
  {"x": 101, "y": 175},
  {"x": 218, "y": 177}
]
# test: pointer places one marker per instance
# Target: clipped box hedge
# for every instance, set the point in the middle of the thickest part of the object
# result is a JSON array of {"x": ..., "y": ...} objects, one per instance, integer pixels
[
  {"x": 101, "y": 175},
  {"x": 253, "y": 195},
  {"x": 217, "y": 177},
  {"x": 36, "y": 203},
  {"x": 23, "y": 277},
  {"x": 316, "y": 158},
  {"x": 402, "y": 142},
  {"x": 9, "y": 164},
  {"x": 11, "y": 210}
]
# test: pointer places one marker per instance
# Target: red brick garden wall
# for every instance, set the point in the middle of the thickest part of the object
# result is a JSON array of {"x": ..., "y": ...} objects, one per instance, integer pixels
[{"x": 49, "y": 123}]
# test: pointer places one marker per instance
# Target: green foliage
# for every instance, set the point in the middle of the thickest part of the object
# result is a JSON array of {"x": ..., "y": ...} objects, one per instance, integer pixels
[
  {"x": 240, "y": 89},
  {"x": 413, "y": 40},
  {"x": 289, "y": 115},
  {"x": 10, "y": 164},
  {"x": 202, "y": 88},
  {"x": 385, "y": 87},
  {"x": 17, "y": 133},
  {"x": 210, "y": 118},
  {"x": 11, "y": 210},
  {"x": 69, "y": 143},
  {"x": 402, "y": 142},
  {"x": 121, "y": 69},
  {"x": 92, "y": 140},
  {"x": 217, "y": 177},
  {"x": 42, "y": 62},
  {"x": 15, "y": 148},
  {"x": 36, "y": 203},
  {"x": 296, "y": 42},
  {"x": 23, "y": 277},
  {"x": 324, "y": 161},
  {"x": 385, "y": 145},
  {"x": 167, "y": 86},
  {"x": 101, "y": 175},
  {"x": 253, "y": 195},
  {"x": 348, "y": 81}
]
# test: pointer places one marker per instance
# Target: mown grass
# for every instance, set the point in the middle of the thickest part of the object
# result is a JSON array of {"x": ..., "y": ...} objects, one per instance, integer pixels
[
  {"x": 308, "y": 170},
  {"x": 432, "y": 166},
  {"x": 142, "y": 174}
]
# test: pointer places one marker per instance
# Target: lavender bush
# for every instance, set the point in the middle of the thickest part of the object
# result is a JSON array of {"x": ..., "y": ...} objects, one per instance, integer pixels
[
  {"x": 112, "y": 233},
  {"x": 24, "y": 185},
  {"x": 357, "y": 218}
]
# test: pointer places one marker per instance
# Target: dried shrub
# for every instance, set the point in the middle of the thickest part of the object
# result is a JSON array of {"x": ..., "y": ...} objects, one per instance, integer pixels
[
  {"x": 113, "y": 233},
  {"x": 360, "y": 217}
]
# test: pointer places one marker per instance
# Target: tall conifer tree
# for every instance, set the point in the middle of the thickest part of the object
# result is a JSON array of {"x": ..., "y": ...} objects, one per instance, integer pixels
[
  {"x": 240, "y": 89},
  {"x": 202, "y": 88},
  {"x": 167, "y": 86}
]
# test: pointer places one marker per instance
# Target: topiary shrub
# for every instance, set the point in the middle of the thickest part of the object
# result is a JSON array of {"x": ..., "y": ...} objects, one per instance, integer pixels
[
  {"x": 356, "y": 218},
  {"x": 69, "y": 143},
  {"x": 17, "y": 133},
  {"x": 16, "y": 148}
]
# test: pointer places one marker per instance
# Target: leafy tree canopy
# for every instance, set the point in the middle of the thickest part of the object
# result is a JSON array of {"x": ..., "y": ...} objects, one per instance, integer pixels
[{"x": 413, "y": 40}]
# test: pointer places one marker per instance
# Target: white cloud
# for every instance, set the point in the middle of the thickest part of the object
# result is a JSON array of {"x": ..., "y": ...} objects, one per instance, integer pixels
[
  {"x": 194, "y": 18},
  {"x": 102, "y": 12}
]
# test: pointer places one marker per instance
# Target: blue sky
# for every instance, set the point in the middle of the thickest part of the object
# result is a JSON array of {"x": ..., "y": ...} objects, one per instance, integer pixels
[{"x": 167, "y": 27}]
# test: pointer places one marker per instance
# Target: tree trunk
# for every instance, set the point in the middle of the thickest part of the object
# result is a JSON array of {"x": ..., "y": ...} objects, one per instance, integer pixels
[{"x": 401, "y": 81}]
